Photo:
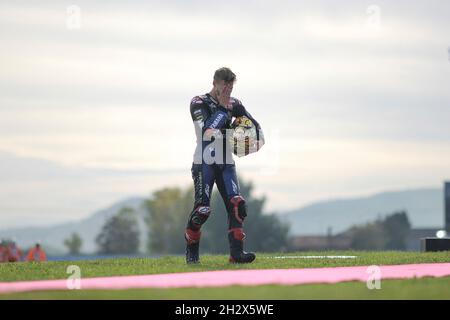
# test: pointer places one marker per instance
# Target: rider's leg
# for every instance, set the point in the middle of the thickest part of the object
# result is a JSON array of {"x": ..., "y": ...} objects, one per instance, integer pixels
[
  {"x": 228, "y": 186},
  {"x": 203, "y": 177}
]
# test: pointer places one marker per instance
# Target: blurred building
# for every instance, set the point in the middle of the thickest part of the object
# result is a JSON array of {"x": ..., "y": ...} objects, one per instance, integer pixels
[
  {"x": 343, "y": 241},
  {"x": 413, "y": 240},
  {"x": 318, "y": 243}
]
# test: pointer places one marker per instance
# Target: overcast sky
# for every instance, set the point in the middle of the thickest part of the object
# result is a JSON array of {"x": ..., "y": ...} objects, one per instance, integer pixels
[{"x": 353, "y": 97}]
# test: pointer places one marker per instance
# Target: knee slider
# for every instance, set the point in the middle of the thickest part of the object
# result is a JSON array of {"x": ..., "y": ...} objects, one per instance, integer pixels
[
  {"x": 199, "y": 216},
  {"x": 238, "y": 208}
]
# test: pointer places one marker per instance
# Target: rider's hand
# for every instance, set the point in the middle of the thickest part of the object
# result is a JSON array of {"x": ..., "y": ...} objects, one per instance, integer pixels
[{"x": 224, "y": 96}]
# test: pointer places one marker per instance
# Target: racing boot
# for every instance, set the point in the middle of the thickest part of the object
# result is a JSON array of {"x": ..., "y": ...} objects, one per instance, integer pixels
[
  {"x": 237, "y": 254},
  {"x": 192, "y": 246}
]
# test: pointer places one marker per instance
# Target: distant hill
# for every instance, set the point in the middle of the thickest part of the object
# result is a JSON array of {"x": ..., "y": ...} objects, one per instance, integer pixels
[
  {"x": 52, "y": 237},
  {"x": 424, "y": 207}
]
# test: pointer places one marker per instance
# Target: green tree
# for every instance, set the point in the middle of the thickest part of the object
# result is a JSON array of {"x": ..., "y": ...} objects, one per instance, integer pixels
[
  {"x": 368, "y": 237},
  {"x": 384, "y": 234},
  {"x": 168, "y": 211},
  {"x": 120, "y": 234},
  {"x": 397, "y": 228},
  {"x": 74, "y": 244}
]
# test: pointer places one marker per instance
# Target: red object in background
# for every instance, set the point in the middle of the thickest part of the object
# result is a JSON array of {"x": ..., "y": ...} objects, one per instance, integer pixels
[
  {"x": 3, "y": 254},
  {"x": 36, "y": 254},
  {"x": 13, "y": 253}
]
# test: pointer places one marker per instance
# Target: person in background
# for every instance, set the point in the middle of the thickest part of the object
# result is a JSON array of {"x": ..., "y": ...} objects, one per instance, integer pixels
[
  {"x": 13, "y": 252},
  {"x": 3, "y": 253},
  {"x": 36, "y": 254}
]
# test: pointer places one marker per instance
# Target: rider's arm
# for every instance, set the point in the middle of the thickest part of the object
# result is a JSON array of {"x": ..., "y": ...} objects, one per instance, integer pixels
[
  {"x": 199, "y": 112},
  {"x": 217, "y": 119},
  {"x": 239, "y": 111},
  {"x": 204, "y": 123}
]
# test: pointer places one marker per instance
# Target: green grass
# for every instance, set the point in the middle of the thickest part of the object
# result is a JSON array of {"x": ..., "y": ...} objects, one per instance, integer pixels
[
  {"x": 426, "y": 288},
  {"x": 391, "y": 289}
]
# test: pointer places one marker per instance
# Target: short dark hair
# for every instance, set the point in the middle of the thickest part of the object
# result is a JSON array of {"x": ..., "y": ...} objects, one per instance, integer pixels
[{"x": 225, "y": 74}]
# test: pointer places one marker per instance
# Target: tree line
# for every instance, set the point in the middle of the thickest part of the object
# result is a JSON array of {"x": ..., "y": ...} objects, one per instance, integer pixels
[
  {"x": 167, "y": 211},
  {"x": 166, "y": 214},
  {"x": 389, "y": 233}
]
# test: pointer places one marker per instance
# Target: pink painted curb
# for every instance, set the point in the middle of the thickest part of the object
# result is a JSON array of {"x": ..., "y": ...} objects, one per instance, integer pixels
[{"x": 224, "y": 278}]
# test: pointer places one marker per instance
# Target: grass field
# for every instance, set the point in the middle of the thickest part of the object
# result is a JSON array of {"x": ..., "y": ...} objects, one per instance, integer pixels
[{"x": 426, "y": 288}]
